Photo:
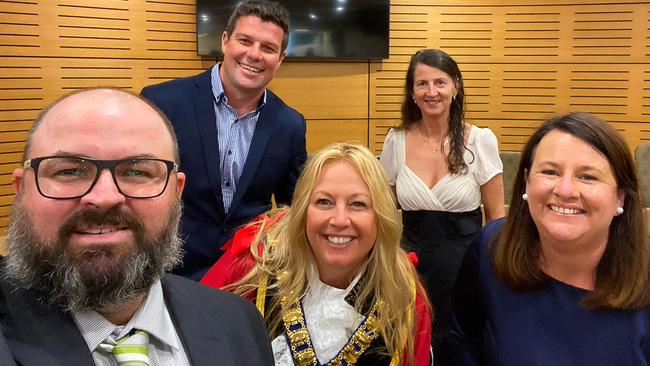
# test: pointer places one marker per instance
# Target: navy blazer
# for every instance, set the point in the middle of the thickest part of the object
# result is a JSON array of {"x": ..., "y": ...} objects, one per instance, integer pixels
[
  {"x": 215, "y": 327},
  {"x": 274, "y": 162}
]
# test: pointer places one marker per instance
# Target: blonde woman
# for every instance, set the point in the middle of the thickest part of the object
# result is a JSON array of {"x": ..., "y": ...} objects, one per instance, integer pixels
[{"x": 329, "y": 275}]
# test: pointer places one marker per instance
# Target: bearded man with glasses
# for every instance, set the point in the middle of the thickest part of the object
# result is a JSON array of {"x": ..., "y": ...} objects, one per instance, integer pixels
[{"x": 93, "y": 229}]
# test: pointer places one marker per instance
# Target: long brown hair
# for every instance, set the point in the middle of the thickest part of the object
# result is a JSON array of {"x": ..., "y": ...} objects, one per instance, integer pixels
[
  {"x": 411, "y": 113},
  {"x": 623, "y": 272}
]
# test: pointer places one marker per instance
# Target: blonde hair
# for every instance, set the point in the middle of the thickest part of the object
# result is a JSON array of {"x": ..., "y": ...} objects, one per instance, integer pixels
[{"x": 287, "y": 255}]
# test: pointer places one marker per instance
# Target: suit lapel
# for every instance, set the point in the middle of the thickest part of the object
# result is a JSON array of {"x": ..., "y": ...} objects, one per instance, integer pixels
[
  {"x": 201, "y": 334},
  {"x": 40, "y": 335},
  {"x": 206, "y": 121},
  {"x": 261, "y": 136}
]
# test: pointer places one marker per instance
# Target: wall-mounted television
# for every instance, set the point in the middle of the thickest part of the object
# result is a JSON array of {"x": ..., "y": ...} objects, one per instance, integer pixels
[{"x": 322, "y": 29}]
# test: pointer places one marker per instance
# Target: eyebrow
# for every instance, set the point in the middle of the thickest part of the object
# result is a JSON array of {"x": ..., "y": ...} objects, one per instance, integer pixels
[
  {"x": 580, "y": 168},
  {"x": 63, "y": 153},
  {"x": 264, "y": 43},
  {"x": 352, "y": 195},
  {"x": 435, "y": 79}
]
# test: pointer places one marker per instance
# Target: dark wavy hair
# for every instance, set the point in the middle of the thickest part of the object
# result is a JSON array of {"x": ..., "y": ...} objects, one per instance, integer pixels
[
  {"x": 268, "y": 11},
  {"x": 623, "y": 273},
  {"x": 411, "y": 113}
]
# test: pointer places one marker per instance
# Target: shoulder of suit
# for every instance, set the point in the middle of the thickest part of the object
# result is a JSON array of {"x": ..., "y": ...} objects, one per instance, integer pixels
[
  {"x": 186, "y": 287},
  {"x": 183, "y": 82}
]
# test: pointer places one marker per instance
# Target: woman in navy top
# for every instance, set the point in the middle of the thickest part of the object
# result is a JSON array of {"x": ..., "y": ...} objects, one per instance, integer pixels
[{"x": 566, "y": 279}]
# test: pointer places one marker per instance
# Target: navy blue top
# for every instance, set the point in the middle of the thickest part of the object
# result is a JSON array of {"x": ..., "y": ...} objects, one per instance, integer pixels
[{"x": 496, "y": 326}]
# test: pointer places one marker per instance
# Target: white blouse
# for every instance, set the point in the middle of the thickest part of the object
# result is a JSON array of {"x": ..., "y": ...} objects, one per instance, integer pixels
[
  {"x": 452, "y": 193},
  {"x": 330, "y": 320}
]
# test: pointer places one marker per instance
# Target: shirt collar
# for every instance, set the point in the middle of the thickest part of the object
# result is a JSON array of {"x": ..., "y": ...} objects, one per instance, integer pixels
[
  {"x": 152, "y": 317},
  {"x": 217, "y": 88}
]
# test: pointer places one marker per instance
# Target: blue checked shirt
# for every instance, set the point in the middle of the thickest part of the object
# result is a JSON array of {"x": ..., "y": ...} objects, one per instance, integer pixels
[{"x": 235, "y": 135}]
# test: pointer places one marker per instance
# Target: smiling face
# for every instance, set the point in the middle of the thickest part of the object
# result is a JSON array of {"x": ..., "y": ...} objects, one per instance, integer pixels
[
  {"x": 100, "y": 124},
  {"x": 572, "y": 192},
  {"x": 251, "y": 56},
  {"x": 433, "y": 90},
  {"x": 341, "y": 223}
]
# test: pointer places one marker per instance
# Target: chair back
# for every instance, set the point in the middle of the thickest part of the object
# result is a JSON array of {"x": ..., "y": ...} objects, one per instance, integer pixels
[
  {"x": 642, "y": 157},
  {"x": 510, "y": 160}
]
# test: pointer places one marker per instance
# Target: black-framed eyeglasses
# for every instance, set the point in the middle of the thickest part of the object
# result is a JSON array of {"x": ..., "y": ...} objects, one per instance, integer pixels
[{"x": 67, "y": 177}]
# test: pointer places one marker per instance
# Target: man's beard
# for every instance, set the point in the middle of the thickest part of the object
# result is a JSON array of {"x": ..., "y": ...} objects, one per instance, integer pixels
[{"x": 99, "y": 277}]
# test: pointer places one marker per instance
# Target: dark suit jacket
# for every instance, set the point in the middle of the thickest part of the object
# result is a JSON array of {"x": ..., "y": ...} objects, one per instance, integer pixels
[
  {"x": 215, "y": 327},
  {"x": 274, "y": 162},
  {"x": 5, "y": 355}
]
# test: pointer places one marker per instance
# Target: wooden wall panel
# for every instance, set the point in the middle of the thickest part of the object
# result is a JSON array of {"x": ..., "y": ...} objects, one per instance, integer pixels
[
  {"x": 49, "y": 48},
  {"x": 324, "y": 132},
  {"x": 324, "y": 90},
  {"x": 522, "y": 61}
]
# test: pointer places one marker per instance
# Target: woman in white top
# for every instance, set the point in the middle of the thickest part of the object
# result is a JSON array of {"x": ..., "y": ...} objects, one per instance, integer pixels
[{"x": 442, "y": 168}]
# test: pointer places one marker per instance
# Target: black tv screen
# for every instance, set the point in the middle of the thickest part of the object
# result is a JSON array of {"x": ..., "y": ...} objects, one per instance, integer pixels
[{"x": 345, "y": 29}]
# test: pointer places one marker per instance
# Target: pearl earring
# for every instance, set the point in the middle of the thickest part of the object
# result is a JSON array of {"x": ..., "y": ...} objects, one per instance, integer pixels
[
  {"x": 524, "y": 196},
  {"x": 619, "y": 210}
]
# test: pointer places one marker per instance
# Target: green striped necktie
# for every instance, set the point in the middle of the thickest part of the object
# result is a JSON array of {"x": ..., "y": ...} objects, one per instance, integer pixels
[{"x": 130, "y": 350}]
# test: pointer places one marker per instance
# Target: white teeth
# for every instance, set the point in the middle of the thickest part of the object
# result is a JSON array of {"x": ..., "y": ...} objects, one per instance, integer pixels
[
  {"x": 339, "y": 240},
  {"x": 99, "y": 231},
  {"x": 566, "y": 211},
  {"x": 250, "y": 68}
]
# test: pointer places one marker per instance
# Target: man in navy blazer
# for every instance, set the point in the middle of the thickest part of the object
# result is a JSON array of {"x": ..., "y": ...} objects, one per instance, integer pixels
[
  {"x": 240, "y": 144},
  {"x": 93, "y": 230}
]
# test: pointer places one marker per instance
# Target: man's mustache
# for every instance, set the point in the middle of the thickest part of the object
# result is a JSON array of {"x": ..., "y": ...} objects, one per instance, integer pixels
[{"x": 115, "y": 216}]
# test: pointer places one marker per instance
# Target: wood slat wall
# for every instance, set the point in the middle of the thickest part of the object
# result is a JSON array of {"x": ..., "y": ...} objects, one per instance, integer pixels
[{"x": 522, "y": 61}]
